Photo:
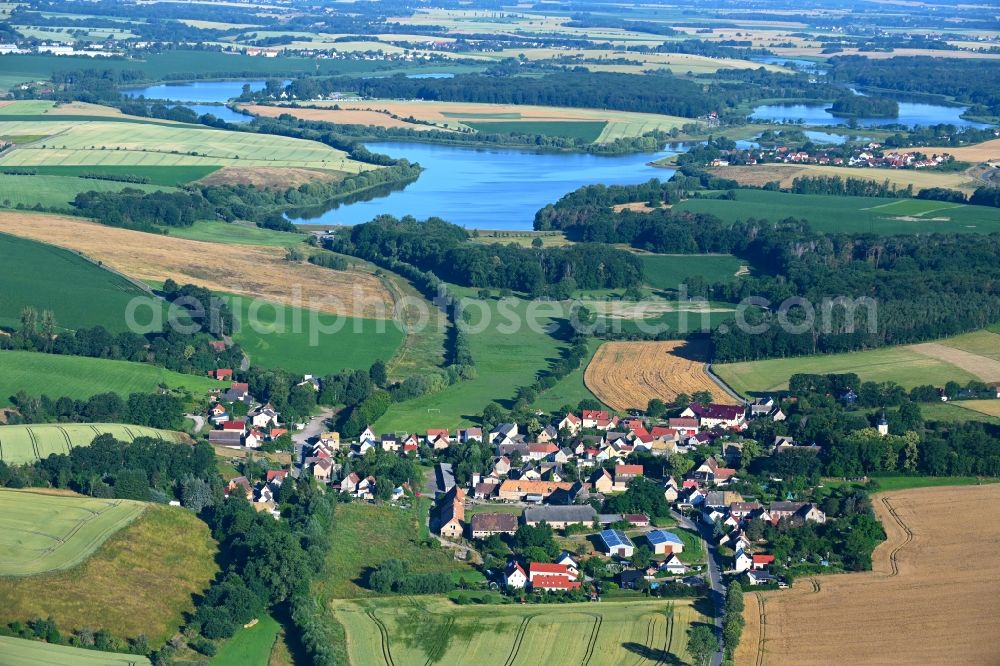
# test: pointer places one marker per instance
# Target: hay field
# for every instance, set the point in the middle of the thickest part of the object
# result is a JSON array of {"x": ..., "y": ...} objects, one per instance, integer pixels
[
  {"x": 412, "y": 633},
  {"x": 987, "y": 407},
  {"x": 455, "y": 115},
  {"x": 141, "y": 580},
  {"x": 343, "y": 116},
  {"x": 626, "y": 375},
  {"x": 107, "y": 142},
  {"x": 259, "y": 272},
  {"x": 24, "y": 652},
  {"x": 987, "y": 151},
  {"x": 786, "y": 173},
  {"x": 269, "y": 177},
  {"x": 961, "y": 358},
  {"x": 932, "y": 596},
  {"x": 21, "y": 444},
  {"x": 41, "y": 533}
]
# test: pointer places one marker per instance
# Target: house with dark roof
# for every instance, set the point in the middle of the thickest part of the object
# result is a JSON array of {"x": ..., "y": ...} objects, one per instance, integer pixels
[
  {"x": 712, "y": 415},
  {"x": 558, "y": 517},
  {"x": 485, "y": 525}
]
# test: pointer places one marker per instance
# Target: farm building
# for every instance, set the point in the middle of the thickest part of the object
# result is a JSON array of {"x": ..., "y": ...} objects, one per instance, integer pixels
[
  {"x": 664, "y": 542},
  {"x": 517, "y": 490},
  {"x": 617, "y": 543},
  {"x": 558, "y": 517},
  {"x": 484, "y": 525},
  {"x": 452, "y": 513}
]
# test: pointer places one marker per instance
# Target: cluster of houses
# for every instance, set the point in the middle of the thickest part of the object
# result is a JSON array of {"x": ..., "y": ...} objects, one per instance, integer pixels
[
  {"x": 261, "y": 424},
  {"x": 870, "y": 155},
  {"x": 263, "y": 495}
]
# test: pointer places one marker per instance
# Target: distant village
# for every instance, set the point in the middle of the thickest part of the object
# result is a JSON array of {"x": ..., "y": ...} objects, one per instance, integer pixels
[{"x": 870, "y": 155}]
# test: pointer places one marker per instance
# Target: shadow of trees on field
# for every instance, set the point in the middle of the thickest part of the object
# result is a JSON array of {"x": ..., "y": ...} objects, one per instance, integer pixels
[{"x": 655, "y": 655}]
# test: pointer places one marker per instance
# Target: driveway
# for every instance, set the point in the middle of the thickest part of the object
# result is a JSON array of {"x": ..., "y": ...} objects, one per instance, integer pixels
[{"x": 303, "y": 438}]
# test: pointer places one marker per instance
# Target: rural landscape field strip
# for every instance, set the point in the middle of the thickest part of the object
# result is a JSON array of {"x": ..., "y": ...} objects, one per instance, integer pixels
[
  {"x": 626, "y": 375},
  {"x": 24, "y": 652},
  {"x": 21, "y": 444},
  {"x": 940, "y": 594},
  {"x": 41, "y": 533}
]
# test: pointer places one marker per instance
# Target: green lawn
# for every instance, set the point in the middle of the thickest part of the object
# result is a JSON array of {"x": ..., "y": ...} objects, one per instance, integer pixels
[
  {"x": 55, "y": 191},
  {"x": 22, "y": 652},
  {"x": 296, "y": 339},
  {"x": 505, "y": 360},
  {"x": 849, "y": 214},
  {"x": 43, "y": 533},
  {"x": 249, "y": 647},
  {"x": 368, "y": 534},
  {"x": 236, "y": 234},
  {"x": 899, "y": 364},
  {"x": 79, "y": 293},
  {"x": 80, "y": 377},
  {"x": 664, "y": 271},
  {"x": 586, "y": 130}
]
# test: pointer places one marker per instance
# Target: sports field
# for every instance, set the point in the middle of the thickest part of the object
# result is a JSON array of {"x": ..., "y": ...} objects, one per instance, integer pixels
[
  {"x": 260, "y": 272},
  {"x": 423, "y": 631},
  {"x": 80, "y": 377},
  {"x": 627, "y": 375},
  {"x": 27, "y": 443},
  {"x": 668, "y": 271},
  {"x": 79, "y": 293},
  {"x": 929, "y": 599},
  {"x": 911, "y": 365},
  {"x": 516, "y": 118},
  {"x": 40, "y": 533},
  {"x": 22, "y": 652},
  {"x": 836, "y": 214},
  {"x": 141, "y": 580}
]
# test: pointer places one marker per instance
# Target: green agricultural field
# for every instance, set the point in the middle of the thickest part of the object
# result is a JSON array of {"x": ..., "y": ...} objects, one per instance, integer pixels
[
  {"x": 505, "y": 360},
  {"x": 667, "y": 271},
  {"x": 167, "y": 176},
  {"x": 22, "y": 652},
  {"x": 42, "y": 533},
  {"x": 902, "y": 365},
  {"x": 571, "y": 389},
  {"x": 236, "y": 234},
  {"x": 585, "y": 130},
  {"x": 958, "y": 411},
  {"x": 279, "y": 336},
  {"x": 249, "y": 647},
  {"x": 79, "y": 293},
  {"x": 399, "y": 535},
  {"x": 141, "y": 580},
  {"x": 56, "y": 192},
  {"x": 850, "y": 214},
  {"x": 425, "y": 631},
  {"x": 21, "y": 444},
  {"x": 80, "y": 377},
  {"x": 982, "y": 343}
]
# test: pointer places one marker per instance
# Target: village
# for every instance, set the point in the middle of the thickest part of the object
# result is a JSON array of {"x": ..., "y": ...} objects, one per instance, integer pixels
[
  {"x": 646, "y": 503},
  {"x": 870, "y": 155}
]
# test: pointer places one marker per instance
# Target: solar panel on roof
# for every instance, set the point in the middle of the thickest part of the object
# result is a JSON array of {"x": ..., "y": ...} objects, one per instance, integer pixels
[
  {"x": 659, "y": 536},
  {"x": 615, "y": 538}
]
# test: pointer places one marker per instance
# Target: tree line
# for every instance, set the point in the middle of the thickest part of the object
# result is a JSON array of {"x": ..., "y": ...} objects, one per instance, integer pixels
[{"x": 156, "y": 410}]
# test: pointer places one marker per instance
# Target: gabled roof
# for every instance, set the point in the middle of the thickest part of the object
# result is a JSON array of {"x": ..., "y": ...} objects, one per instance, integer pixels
[
  {"x": 763, "y": 559},
  {"x": 616, "y": 538},
  {"x": 552, "y": 569},
  {"x": 716, "y": 411},
  {"x": 494, "y": 522},
  {"x": 657, "y": 537}
]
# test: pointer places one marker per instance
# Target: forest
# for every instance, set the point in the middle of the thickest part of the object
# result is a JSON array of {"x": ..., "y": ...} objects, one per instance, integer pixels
[
  {"x": 860, "y": 106},
  {"x": 445, "y": 250}
]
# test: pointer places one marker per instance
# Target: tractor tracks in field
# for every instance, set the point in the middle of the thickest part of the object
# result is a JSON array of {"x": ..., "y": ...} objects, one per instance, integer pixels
[
  {"x": 518, "y": 638},
  {"x": 383, "y": 636},
  {"x": 592, "y": 642},
  {"x": 763, "y": 624},
  {"x": 894, "y": 553}
]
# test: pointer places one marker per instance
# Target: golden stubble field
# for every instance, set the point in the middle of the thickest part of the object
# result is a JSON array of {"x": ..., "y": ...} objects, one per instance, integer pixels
[
  {"x": 786, "y": 173},
  {"x": 933, "y": 596},
  {"x": 626, "y": 375},
  {"x": 254, "y": 271}
]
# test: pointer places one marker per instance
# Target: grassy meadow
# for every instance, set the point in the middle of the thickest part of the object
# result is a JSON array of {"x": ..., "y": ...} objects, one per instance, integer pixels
[
  {"x": 585, "y": 130},
  {"x": 21, "y": 444},
  {"x": 571, "y": 389},
  {"x": 421, "y": 631},
  {"x": 23, "y": 652},
  {"x": 79, "y": 293},
  {"x": 505, "y": 360},
  {"x": 294, "y": 338},
  {"x": 167, "y": 176},
  {"x": 667, "y": 271},
  {"x": 56, "y": 192},
  {"x": 903, "y": 364},
  {"x": 41, "y": 533},
  {"x": 140, "y": 581},
  {"x": 249, "y": 646},
  {"x": 851, "y": 214},
  {"x": 80, "y": 377},
  {"x": 213, "y": 231}
]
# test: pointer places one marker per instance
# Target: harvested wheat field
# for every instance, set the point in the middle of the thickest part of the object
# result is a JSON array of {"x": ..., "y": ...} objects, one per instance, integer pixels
[
  {"x": 987, "y": 151},
  {"x": 985, "y": 368},
  {"x": 270, "y": 177},
  {"x": 786, "y": 173},
  {"x": 932, "y": 598},
  {"x": 373, "y": 117},
  {"x": 254, "y": 271},
  {"x": 627, "y": 375}
]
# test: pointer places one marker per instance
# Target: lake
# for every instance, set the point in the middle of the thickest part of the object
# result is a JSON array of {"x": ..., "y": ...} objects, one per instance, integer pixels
[
  {"x": 195, "y": 91},
  {"x": 489, "y": 188},
  {"x": 800, "y": 64},
  {"x": 219, "y": 111},
  {"x": 911, "y": 114}
]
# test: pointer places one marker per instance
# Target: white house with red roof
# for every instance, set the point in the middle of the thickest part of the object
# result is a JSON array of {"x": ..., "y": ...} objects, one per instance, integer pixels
[
  {"x": 571, "y": 422},
  {"x": 684, "y": 426},
  {"x": 514, "y": 576},
  {"x": 712, "y": 415},
  {"x": 549, "y": 570}
]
